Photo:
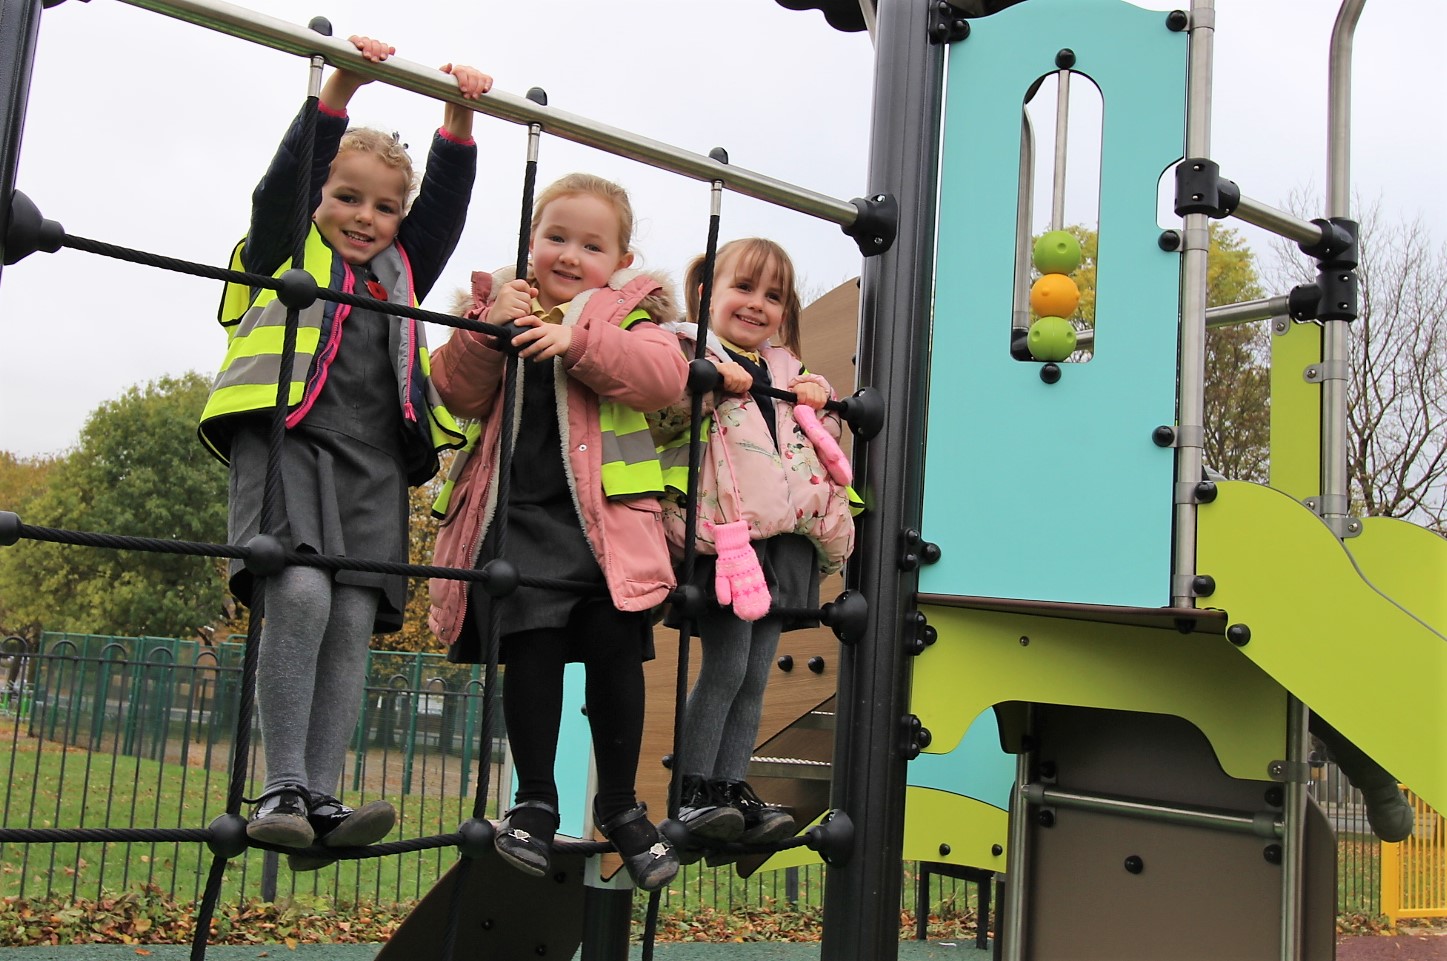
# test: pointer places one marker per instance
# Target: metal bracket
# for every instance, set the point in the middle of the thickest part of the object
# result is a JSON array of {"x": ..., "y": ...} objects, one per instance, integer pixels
[
  {"x": 1327, "y": 370},
  {"x": 1290, "y": 772}
]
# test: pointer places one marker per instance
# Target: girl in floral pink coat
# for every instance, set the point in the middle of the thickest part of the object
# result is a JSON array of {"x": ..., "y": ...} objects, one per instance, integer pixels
[{"x": 772, "y": 516}]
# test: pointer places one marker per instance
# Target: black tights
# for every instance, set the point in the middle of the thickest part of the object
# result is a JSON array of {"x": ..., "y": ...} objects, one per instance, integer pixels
[{"x": 610, "y": 645}]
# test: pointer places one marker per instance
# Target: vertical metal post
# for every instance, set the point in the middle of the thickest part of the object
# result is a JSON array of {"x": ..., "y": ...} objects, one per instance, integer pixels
[
  {"x": 1017, "y": 867},
  {"x": 1062, "y": 132},
  {"x": 1024, "y": 217},
  {"x": 861, "y": 907},
  {"x": 19, "y": 30},
  {"x": 1293, "y": 832},
  {"x": 1191, "y": 382},
  {"x": 1336, "y": 333}
]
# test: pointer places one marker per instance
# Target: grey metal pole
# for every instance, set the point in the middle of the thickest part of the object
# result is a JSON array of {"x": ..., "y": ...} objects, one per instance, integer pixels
[
  {"x": 282, "y": 35},
  {"x": 1062, "y": 130},
  {"x": 861, "y": 908},
  {"x": 19, "y": 29},
  {"x": 1336, "y": 334},
  {"x": 1279, "y": 222},
  {"x": 1017, "y": 866},
  {"x": 1191, "y": 384},
  {"x": 1025, "y": 207}
]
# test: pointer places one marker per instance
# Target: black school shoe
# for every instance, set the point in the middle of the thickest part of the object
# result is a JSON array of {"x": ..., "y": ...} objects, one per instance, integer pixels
[
  {"x": 524, "y": 836},
  {"x": 763, "y": 823},
  {"x": 338, "y": 826},
  {"x": 706, "y": 812},
  {"x": 280, "y": 818},
  {"x": 648, "y": 857}
]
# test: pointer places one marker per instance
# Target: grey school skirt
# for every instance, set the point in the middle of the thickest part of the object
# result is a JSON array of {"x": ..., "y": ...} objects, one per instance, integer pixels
[{"x": 340, "y": 497}]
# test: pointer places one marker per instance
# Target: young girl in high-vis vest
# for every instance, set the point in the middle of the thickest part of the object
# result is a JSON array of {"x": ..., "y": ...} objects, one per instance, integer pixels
[
  {"x": 773, "y": 506},
  {"x": 362, "y": 423},
  {"x": 584, "y": 482}
]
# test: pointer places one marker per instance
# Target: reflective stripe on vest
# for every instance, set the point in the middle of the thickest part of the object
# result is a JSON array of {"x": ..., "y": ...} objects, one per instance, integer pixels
[
  {"x": 248, "y": 377},
  {"x": 630, "y": 460}
]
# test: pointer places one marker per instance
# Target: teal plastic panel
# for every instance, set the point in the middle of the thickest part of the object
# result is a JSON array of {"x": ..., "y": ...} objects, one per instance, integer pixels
[
  {"x": 1037, "y": 491},
  {"x": 977, "y": 768}
]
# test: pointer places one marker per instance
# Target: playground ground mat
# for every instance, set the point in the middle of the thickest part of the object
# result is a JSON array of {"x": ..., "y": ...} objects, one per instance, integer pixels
[{"x": 672, "y": 951}]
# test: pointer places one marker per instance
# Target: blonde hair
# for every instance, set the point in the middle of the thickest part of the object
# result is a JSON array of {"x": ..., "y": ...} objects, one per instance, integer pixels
[
  {"x": 576, "y": 184},
  {"x": 386, "y": 148},
  {"x": 754, "y": 257}
]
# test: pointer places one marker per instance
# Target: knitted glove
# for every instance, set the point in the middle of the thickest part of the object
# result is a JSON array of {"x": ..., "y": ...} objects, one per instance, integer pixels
[
  {"x": 825, "y": 445},
  {"x": 738, "y": 579}
]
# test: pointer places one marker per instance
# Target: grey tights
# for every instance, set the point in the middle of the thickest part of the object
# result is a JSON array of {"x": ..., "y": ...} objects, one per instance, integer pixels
[
  {"x": 722, "y": 720},
  {"x": 310, "y": 675}
]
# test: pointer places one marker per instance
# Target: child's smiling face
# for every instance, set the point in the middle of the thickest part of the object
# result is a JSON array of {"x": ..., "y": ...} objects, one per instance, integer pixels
[
  {"x": 362, "y": 204},
  {"x": 575, "y": 247},
  {"x": 747, "y": 310}
]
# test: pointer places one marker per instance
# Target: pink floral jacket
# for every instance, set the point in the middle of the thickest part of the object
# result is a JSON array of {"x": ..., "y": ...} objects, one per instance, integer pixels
[
  {"x": 779, "y": 489},
  {"x": 640, "y": 367}
]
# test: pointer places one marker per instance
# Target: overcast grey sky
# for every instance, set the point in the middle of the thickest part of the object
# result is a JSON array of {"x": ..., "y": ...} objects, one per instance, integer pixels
[{"x": 148, "y": 132}]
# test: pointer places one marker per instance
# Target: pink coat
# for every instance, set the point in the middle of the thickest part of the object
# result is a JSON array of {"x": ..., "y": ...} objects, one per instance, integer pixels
[
  {"x": 778, "y": 489},
  {"x": 640, "y": 367}
]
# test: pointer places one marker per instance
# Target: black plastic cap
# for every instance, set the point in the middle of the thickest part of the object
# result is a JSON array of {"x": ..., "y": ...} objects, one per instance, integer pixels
[
  {"x": 846, "y": 615},
  {"x": 298, "y": 289},
  {"x": 877, "y": 224},
  {"x": 1203, "y": 585},
  {"x": 28, "y": 232},
  {"x": 864, "y": 412},
  {"x": 265, "y": 556},
  {"x": 538, "y": 96},
  {"x": 1206, "y": 492},
  {"x": 502, "y": 577},
  {"x": 719, "y": 155},
  {"x": 816, "y": 664},
  {"x": 785, "y": 662},
  {"x": 1238, "y": 634},
  {"x": 703, "y": 376},
  {"x": 9, "y": 528},
  {"x": 1169, "y": 240},
  {"x": 1163, "y": 436},
  {"x": 1134, "y": 864},
  {"x": 227, "y": 836},
  {"x": 833, "y": 838},
  {"x": 1050, "y": 373},
  {"x": 1065, "y": 59},
  {"x": 320, "y": 25},
  {"x": 1177, "y": 20}
]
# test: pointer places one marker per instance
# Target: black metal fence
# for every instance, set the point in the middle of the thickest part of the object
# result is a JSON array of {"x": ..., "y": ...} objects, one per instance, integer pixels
[{"x": 137, "y": 732}]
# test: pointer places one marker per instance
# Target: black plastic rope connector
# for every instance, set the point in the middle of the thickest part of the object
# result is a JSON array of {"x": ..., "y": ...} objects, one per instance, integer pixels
[
  {"x": 505, "y": 334},
  {"x": 877, "y": 224},
  {"x": 846, "y": 616},
  {"x": 502, "y": 577},
  {"x": 227, "y": 837},
  {"x": 28, "y": 231},
  {"x": 9, "y": 528},
  {"x": 832, "y": 838},
  {"x": 864, "y": 412},
  {"x": 477, "y": 834},
  {"x": 265, "y": 555},
  {"x": 1200, "y": 189},
  {"x": 1338, "y": 244},
  {"x": 298, "y": 289},
  {"x": 703, "y": 377},
  {"x": 688, "y": 600}
]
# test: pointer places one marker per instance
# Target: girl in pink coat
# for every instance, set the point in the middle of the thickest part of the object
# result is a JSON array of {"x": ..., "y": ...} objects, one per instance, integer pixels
[
  {"x": 592, "y": 358},
  {"x": 773, "y": 514}
]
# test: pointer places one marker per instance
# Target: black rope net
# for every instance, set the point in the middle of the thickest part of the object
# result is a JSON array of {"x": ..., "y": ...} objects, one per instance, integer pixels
[{"x": 265, "y": 555}]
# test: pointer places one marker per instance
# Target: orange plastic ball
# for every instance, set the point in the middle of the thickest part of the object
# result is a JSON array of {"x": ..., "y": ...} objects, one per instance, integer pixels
[{"x": 1054, "y": 295}]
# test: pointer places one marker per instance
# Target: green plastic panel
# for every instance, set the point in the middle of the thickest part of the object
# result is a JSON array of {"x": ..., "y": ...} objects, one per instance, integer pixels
[
  {"x": 1407, "y": 563},
  {"x": 1354, "y": 655},
  {"x": 968, "y": 827},
  {"x": 979, "y": 660},
  {"x": 1295, "y": 412}
]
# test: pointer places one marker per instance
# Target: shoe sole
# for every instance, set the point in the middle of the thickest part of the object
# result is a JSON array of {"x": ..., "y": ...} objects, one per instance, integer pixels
[
  {"x": 775, "y": 830},
  {"x": 725, "y": 824},
  {"x": 368, "y": 824},
  {"x": 526, "y": 867},
  {"x": 283, "y": 830}
]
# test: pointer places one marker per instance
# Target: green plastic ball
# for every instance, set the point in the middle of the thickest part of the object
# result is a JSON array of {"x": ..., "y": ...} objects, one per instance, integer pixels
[
  {"x": 1051, "y": 338},
  {"x": 1056, "y": 252}
]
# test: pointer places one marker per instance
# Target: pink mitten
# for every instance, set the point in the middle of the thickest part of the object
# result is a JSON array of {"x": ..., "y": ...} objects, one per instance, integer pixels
[
  {"x": 738, "y": 579},
  {"x": 825, "y": 446}
]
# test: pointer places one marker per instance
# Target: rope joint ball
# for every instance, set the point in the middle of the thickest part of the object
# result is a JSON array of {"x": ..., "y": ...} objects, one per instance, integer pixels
[
  {"x": 228, "y": 836},
  {"x": 265, "y": 555},
  {"x": 502, "y": 577},
  {"x": 477, "y": 834},
  {"x": 297, "y": 290}
]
